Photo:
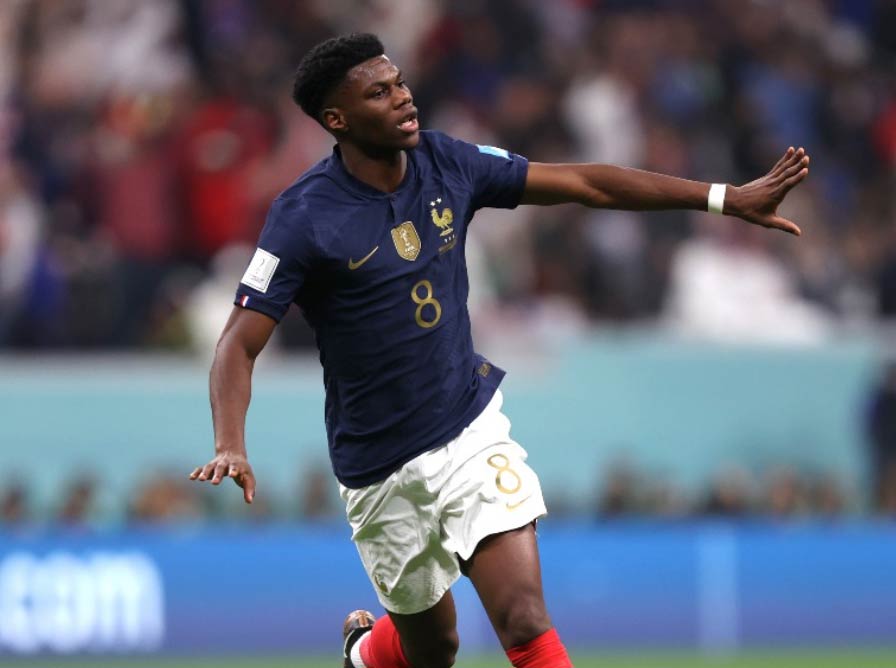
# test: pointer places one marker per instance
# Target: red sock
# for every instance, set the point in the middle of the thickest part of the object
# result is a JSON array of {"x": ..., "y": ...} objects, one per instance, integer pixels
[
  {"x": 545, "y": 651},
  {"x": 381, "y": 648}
]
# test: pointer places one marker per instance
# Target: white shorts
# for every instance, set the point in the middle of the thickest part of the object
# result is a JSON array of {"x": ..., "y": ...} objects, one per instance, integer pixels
[{"x": 411, "y": 528}]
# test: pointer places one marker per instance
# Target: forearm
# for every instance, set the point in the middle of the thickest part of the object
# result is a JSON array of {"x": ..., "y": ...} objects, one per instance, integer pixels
[
  {"x": 612, "y": 187},
  {"x": 230, "y": 389}
]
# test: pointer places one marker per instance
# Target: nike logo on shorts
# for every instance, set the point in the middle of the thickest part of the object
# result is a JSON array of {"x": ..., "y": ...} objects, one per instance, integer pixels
[{"x": 514, "y": 506}]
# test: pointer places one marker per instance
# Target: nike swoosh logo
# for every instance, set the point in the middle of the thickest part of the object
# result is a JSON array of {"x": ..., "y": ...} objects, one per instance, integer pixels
[
  {"x": 514, "y": 506},
  {"x": 352, "y": 265}
]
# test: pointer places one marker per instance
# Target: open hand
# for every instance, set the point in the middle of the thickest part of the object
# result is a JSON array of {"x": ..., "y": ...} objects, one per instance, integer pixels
[
  {"x": 228, "y": 465},
  {"x": 757, "y": 201}
]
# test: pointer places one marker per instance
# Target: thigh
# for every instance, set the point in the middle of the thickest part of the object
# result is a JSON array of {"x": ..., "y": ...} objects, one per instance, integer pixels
[
  {"x": 430, "y": 636},
  {"x": 506, "y": 572},
  {"x": 492, "y": 491},
  {"x": 396, "y": 529}
]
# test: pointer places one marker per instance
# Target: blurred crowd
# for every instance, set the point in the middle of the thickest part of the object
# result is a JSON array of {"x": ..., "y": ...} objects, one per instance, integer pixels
[
  {"x": 164, "y": 497},
  {"x": 735, "y": 493},
  {"x": 142, "y": 141},
  {"x": 622, "y": 489}
]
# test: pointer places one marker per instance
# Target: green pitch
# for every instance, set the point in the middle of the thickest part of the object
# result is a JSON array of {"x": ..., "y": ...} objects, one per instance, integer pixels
[{"x": 778, "y": 659}]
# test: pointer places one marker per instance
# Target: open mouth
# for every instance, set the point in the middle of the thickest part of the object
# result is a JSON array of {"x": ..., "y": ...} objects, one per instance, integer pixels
[{"x": 409, "y": 124}]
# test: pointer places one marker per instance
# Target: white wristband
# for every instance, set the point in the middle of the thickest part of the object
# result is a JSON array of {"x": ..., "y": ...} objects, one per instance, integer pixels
[{"x": 716, "y": 201}]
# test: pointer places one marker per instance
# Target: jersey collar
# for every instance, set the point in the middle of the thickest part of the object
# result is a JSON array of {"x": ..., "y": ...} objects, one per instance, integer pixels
[{"x": 343, "y": 177}]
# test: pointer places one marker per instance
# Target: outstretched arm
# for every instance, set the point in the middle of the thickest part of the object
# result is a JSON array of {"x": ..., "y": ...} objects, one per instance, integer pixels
[
  {"x": 230, "y": 382},
  {"x": 611, "y": 187}
]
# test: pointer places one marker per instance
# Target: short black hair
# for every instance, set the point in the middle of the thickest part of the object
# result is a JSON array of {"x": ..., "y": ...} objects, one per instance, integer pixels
[{"x": 325, "y": 66}]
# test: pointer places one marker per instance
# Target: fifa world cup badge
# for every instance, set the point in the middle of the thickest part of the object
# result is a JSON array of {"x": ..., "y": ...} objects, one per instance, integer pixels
[{"x": 406, "y": 240}]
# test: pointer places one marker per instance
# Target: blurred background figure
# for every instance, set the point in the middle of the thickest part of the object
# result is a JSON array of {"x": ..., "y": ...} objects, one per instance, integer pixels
[
  {"x": 731, "y": 494},
  {"x": 726, "y": 284},
  {"x": 827, "y": 497},
  {"x": 210, "y": 301},
  {"x": 882, "y": 435},
  {"x": 316, "y": 493},
  {"x": 619, "y": 492},
  {"x": 14, "y": 503},
  {"x": 78, "y": 500},
  {"x": 165, "y": 498},
  {"x": 785, "y": 494}
]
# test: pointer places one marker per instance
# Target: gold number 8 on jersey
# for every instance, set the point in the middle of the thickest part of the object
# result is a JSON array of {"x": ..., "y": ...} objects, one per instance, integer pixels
[
  {"x": 423, "y": 301},
  {"x": 501, "y": 462}
]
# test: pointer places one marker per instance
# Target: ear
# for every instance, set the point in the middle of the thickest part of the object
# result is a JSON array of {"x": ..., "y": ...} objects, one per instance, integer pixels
[{"x": 334, "y": 120}]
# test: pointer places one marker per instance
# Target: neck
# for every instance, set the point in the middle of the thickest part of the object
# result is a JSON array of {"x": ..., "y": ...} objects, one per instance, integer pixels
[{"x": 382, "y": 170}]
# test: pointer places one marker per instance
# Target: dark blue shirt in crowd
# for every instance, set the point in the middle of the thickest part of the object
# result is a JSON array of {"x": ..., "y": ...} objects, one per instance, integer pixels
[{"x": 382, "y": 280}]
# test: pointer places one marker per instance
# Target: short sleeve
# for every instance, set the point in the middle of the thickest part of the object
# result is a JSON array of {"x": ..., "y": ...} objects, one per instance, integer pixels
[
  {"x": 497, "y": 176},
  {"x": 278, "y": 268}
]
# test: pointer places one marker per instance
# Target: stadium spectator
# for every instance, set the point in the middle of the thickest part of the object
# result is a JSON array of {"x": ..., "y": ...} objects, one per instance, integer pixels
[
  {"x": 730, "y": 494},
  {"x": 77, "y": 506},
  {"x": 827, "y": 498},
  {"x": 220, "y": 145},
  {"x": 882, "y": 435},
  {"x": 30, "y": 289},
  {"x": 209, "y": 302},
  {"x": 726, "y": 284},
  {"x": 14, "y": 503},
  {"x": 619, "y": 494},
  {"x": 316, "y": 499},
  {"x": 885, "y": 279},
  {"x": 134, "y": 188},
  {"x": 165, "y": 498},
  {"x": 784, "y": 493}
]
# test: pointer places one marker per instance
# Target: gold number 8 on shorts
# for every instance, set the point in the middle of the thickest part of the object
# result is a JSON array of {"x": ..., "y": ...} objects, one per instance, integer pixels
[{"x": 501, "y": 462}]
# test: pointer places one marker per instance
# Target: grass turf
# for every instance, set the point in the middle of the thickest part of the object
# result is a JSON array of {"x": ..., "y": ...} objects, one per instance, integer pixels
[{"x": 857, "y": 658}]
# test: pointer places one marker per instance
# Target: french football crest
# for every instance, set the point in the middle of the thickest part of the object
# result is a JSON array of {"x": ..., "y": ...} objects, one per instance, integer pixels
[
  {"x": 443, "y": 222},
  {"x": 406, "y": 240}
]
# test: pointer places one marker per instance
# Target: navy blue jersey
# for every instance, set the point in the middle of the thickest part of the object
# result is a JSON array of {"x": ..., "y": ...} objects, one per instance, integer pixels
[{"x": 382, "y": 280}]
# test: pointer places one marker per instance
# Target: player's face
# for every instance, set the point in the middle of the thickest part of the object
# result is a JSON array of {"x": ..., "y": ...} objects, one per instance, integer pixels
[{"x": 376, "y": 107}]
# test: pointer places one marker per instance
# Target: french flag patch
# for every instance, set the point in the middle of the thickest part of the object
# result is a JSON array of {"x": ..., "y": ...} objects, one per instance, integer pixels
[{"x": 244, "y": 301}]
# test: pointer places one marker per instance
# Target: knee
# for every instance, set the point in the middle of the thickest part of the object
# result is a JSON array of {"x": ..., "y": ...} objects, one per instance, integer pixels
[
  {"x": 523, "y": 620},
  {"x": 438, "y": 652}
]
